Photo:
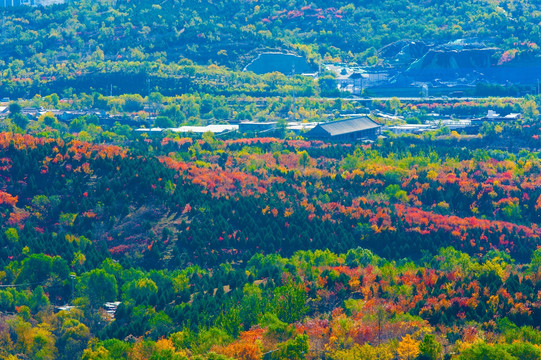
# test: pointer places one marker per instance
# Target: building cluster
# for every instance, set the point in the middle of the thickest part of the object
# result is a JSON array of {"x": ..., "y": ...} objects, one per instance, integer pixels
[
  {"x": 354, "y": 127},
  {"x": 452, "y": 124},
  {"x": 10, "y": 3}
]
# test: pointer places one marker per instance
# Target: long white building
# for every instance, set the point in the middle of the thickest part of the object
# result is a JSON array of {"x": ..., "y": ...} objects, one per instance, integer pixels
[{"x": 10, "y": 3}]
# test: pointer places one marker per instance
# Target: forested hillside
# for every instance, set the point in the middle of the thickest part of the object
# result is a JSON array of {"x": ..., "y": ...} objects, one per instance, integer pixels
[
  {"x": 96, "y": 44},
  {"x": 148, "y": 244},
  {"x": 252, "y": 248}
]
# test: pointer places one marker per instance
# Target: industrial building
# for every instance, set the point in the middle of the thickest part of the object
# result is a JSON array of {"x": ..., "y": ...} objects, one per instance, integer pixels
[{"x": 358, "y": 128}]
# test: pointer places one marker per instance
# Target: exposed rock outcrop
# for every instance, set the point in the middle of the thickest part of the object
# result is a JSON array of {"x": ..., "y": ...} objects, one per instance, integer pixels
[{"x": 281, "y": 62}]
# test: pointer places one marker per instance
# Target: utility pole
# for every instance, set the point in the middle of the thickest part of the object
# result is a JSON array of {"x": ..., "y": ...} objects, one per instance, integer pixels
[
  {"x": 148, "y": 95},
  {"x": 3, "y": 36},
  {"x": 293, "y": 84},
  {"x": 72, "y": 276}
]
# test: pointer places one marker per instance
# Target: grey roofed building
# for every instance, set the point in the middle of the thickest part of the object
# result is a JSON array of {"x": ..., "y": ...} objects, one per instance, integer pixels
[{"x": 353, "y": 129}]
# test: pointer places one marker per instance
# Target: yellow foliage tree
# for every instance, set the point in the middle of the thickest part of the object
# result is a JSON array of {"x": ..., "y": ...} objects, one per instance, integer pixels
[
  {"x": 98, "y": 354},
  {"x": 366, "y": 351},
  {"x": 408, "y": 348}
]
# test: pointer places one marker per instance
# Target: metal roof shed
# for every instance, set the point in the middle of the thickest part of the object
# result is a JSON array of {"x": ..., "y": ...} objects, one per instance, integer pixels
[{"x": 346, "y": 130}]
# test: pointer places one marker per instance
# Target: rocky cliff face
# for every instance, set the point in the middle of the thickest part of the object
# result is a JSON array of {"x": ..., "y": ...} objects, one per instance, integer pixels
[
  {"x": 287, "y": 64},
  {"x": 453, "y": 60},
  {"x": 470, "y": 66},
  {"x": 403, "y": 52}
]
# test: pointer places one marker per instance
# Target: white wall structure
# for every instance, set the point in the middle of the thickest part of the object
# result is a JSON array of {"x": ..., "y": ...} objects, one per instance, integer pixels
[
  {"x": 10, "y": 3},
  {"x": 48, "y": 2}
]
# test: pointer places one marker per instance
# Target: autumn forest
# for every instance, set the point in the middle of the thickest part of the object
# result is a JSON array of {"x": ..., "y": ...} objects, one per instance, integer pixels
[
  {"x": 118, "y": 242},
  {"x": 265, "y": 247}
]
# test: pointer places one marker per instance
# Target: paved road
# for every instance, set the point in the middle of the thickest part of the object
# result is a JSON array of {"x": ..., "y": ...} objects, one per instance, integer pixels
[{"x": 440, "y": 98}]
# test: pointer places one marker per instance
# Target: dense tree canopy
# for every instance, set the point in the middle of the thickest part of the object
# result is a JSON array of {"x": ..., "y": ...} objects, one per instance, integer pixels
[
  {"x": 118, "y": 46},
  {"x": 240, "y": 247},
  {"x": 116, "y": 244}
]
